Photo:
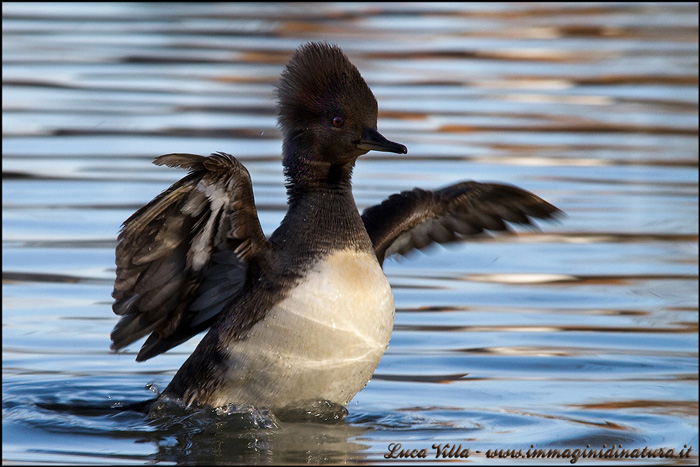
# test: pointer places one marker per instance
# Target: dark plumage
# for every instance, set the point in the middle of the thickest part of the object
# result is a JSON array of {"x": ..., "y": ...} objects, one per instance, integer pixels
[
  {"x": 180, "y": 257},
  {"x": 414, "y": 219},
  {"x": 306, "y": 314}
]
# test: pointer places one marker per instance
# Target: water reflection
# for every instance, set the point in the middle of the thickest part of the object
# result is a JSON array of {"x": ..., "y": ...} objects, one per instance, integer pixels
[{"x": 236, "y": 435}]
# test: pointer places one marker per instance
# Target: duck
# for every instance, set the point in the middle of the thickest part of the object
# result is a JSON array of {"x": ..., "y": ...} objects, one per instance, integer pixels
[{"x": 306, "y": 314}]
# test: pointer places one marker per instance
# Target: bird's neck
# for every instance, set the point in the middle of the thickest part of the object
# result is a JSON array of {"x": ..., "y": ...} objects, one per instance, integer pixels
[
  {"x": 309, "y": 177},
  {"x": 321, "y": 207}
]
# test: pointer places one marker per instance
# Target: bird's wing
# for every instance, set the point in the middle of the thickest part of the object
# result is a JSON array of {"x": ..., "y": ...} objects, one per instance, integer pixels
[
  {"x": 416, "y": 218},
  {"x": 184, "y": 256}
]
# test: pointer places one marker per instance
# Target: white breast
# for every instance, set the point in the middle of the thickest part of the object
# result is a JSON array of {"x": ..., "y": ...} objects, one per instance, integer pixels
[{"x": 322, "y": 342}]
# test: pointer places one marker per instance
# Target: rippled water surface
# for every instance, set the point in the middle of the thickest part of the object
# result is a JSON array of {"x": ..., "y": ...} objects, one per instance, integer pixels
[{"x": 583, "y": 332}]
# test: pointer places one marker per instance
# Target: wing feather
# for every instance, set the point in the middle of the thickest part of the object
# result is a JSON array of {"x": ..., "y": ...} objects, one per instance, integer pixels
[
  {"x": 183, "y": 257},
  {"x": 416, "y": 218}
]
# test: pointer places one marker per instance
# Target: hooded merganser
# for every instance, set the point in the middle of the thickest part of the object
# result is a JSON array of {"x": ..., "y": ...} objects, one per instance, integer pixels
[{"x": 307, "y": 314}]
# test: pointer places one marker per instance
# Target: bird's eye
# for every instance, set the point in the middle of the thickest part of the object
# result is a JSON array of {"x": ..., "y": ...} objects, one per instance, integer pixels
[{"x": 338, "y": 122}]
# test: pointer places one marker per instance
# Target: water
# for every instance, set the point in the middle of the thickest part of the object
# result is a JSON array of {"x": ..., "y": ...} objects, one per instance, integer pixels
[{"x": 584, "y": 332}]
